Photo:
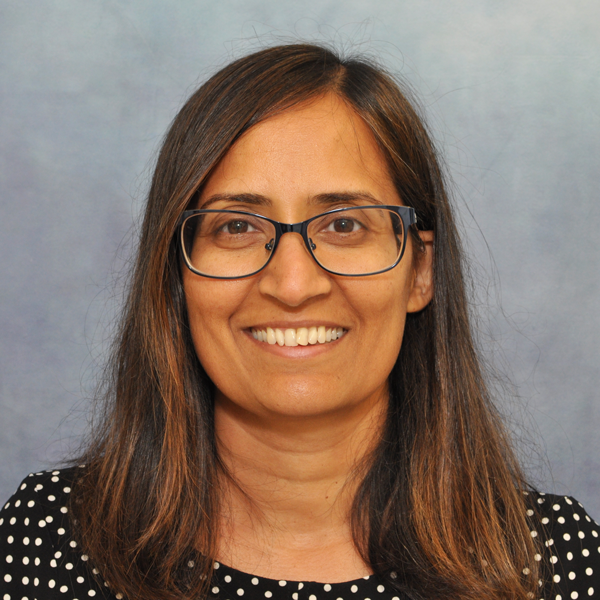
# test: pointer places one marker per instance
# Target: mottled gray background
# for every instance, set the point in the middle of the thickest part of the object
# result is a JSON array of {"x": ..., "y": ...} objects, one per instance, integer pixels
[{"x": 512, "y": 90}]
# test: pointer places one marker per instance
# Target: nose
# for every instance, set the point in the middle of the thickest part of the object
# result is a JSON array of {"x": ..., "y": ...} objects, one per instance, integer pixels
[{"x": 292, "y": 276}]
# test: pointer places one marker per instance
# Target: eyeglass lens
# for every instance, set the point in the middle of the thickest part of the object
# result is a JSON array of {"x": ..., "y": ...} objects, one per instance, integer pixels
[{"x": 357, "y": 241}]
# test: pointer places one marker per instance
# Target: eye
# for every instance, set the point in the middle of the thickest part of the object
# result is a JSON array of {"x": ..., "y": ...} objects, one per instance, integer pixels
[
  {"x": 344, "y": 225},
  {"x": 237, "y": 226}
]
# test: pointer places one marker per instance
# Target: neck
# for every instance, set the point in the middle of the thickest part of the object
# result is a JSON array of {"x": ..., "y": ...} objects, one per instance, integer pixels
[{"x": 289, "y": 489}]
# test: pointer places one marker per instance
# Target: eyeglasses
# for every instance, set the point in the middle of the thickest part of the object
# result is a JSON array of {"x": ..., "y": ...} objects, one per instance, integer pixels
[{"x": 355, "y": 241}]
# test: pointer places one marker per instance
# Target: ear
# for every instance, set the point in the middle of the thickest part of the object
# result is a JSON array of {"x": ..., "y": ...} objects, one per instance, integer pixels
[{"x": 421, "y": 292}]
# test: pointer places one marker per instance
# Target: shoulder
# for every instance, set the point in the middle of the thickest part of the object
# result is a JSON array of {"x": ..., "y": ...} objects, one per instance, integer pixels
[
  {"x": 37, "y": 546},
  {"x": 569, "y": 542}
]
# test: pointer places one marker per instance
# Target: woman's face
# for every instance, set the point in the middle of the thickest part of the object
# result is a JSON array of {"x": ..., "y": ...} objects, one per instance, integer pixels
[{"x": 290, "y": 162}]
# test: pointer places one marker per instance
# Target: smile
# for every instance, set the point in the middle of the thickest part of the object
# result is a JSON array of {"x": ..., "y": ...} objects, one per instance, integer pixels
[{"x": 303, "y": 336}]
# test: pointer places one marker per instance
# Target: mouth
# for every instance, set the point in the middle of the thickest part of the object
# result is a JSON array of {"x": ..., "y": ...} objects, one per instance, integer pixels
[{"x": 303, "y": 336}]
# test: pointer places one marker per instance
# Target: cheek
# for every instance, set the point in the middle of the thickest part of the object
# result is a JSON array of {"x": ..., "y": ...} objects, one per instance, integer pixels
[{"x": 210, "y": 306}]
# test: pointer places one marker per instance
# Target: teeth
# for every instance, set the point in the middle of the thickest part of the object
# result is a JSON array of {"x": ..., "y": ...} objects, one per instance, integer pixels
[{"x": 298, "y": 337}]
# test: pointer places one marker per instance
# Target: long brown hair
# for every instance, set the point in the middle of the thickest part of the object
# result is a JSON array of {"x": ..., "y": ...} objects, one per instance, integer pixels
[{"x": 440, "y": 510}]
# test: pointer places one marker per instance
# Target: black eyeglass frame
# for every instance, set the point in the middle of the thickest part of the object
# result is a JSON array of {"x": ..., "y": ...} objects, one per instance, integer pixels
[{"x": 406, "y": 213}]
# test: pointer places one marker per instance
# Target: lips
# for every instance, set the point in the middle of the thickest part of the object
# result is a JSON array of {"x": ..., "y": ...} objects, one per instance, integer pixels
[{"x": 302, "y": 336}]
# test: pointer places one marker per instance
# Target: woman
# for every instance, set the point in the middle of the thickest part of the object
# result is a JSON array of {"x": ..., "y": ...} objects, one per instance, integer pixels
[{"x": 302, "y": 415}]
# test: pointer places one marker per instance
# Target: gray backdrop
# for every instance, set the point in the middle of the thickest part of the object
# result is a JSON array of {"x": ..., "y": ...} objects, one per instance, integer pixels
[{"x": 512, "y": 91}]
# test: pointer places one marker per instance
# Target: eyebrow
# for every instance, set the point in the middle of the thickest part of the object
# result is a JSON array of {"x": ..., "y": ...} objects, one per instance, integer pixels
[{"x": 324, "y": 199}]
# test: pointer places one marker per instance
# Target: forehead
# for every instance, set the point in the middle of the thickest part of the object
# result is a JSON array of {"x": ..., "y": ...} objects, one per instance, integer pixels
[{"x": 320, "y": 147}]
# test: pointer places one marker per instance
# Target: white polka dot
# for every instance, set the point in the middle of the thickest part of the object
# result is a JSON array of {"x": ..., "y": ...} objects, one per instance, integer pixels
[
  {"x": 73, "y": 544},
  {"x": 38, "y": 541},
  {"x": 227, "y": 578},
  {"x": 12, "y": 521},
  {"x": 6, "y": 597},
  {"x": 53, "y": 563},
  {"x": 556, "y": 578},
  {"x": 561, "y": 520},
  {"x": 589, "y": 571},
  {"x": 526, "y": 571},
  {"x": 69, "y": 566},
  {"x": 354, "y": 589},
  {"x": 585, "y": 552},
  {"x": 26, "y": 541},
  {"x": 54, "y": 479},
  {"x": 545, "y": 521},
  {"x": 594, "y": 533},
  {"x": 215, "y": 590},
  {"x": 581, "y": 535},
  {"x": 26, "y": 521},
  {"x": 36, "y": 582},
  {"x": 38, "y": 487},
  {"x": 530, "y": 513},
  {"x": 7, "y": 578},
  {"x": 566, "y": 537},
  {"x": 119, "y": 596},
  {"x": 553, "y": 559},
  {"x": 91, "y": 593},
  {"x": 300, "y": 585},
  {"x": 23, "y": 486},
  {"x": 84, "y": 557},
  {"x": 254, "y": 581},
  {"x": 31, "y": 503},
  {"x": 534, "y": 534},
  {"x": 240, "y": 592},
  {"x": 67, "y": 490},
  {"x": 57, "y": 554},
  {"x": 9, "y": 559},
  {"x": 572, "y": 575},
  {"x": 51, "y": 498},
  {"x": 49, "y": 519},
  {"x": 569, "y": 556},
  {"x": 574, "y": 595},
  {"x": 380, "y": 589},
  {"x": 327, "y": 587},
  {"x": 538, "y": 557},
  {"x": 37, "y": 561},
  {"x": 64, "y": 510},
  {"x": 64, "y": 588},
  {"x": 282, "y": 583},
  {"x": 42, "y": 523},
  {"x": 540, "y": 500},
  {"x": 312, "y": 597},
  {"x": 576, "y": 516},
  {"x": 295, "y": 596},
  {"x": 556, "y": 506},
  {"x": 80, "y": 579},
  {"x": 590, "y": 591},
  {"x": 10, "y": 539},
  {"x": 268, "y": 594},
  {"x": 60, "y": 531},
  {"x": 25, "y": 580},
  {"x": 51, "y": 583},
  {"x": 217, "y": 565},
  {"x": 568, "y": 500}
]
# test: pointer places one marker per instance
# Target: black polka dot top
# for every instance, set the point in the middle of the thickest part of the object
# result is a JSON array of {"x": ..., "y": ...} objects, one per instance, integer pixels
[{"x": 40, "y": 560}]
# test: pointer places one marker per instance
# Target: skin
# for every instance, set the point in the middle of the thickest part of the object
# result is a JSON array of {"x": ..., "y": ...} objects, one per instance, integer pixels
[{"x": 293, "y": 423}]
